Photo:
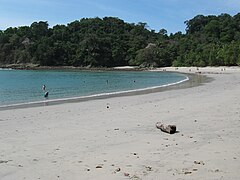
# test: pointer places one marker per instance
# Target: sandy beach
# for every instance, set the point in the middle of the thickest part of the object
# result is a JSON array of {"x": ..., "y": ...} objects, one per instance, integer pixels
[{"x": 116, "y": 138}]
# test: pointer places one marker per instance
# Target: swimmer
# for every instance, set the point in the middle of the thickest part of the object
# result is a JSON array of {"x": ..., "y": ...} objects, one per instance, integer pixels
[
  {"x": 46, "y": 94},
  {"x": 44, "y": 87}
]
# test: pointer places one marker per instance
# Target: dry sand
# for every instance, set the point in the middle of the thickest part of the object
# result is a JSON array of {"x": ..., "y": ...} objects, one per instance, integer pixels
[{"x": 116, "y": 138}]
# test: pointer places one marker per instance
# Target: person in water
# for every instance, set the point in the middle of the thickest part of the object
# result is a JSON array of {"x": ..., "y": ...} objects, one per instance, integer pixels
[
  {"x": 44, "y": 87},
  {"x": 46, "y": 94}
]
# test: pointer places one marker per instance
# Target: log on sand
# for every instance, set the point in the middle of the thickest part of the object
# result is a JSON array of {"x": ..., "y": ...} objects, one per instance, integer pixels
[{"x": 171, "y": 129}]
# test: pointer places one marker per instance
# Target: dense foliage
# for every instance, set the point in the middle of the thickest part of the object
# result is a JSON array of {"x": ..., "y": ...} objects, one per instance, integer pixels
[{"x": 108, "y": 42}]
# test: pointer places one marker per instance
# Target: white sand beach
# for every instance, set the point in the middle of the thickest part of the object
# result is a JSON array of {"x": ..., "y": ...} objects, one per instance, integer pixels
[{"x": 116, "y": 138}]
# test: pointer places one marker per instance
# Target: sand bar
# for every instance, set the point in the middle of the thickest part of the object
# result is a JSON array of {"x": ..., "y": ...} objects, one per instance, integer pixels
[{"x": 116, "y": 138}]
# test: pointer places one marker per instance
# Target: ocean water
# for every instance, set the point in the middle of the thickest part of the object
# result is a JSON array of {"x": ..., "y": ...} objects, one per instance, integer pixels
[{"x": 24, "y": 86}]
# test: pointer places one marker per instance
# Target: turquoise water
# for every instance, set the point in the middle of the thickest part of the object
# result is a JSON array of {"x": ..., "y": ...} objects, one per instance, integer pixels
[{"x": 23, "y": 86}]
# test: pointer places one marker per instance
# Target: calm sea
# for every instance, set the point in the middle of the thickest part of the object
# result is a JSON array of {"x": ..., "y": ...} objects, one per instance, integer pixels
[{"x": 23, "y": 86}]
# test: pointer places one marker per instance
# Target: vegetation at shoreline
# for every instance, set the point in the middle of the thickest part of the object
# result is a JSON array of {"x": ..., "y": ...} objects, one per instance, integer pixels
[{"x": 108, "y": 42}]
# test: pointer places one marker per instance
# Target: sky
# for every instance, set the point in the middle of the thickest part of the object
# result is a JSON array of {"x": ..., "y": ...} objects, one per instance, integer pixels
[{"x": 158, "y": 14}]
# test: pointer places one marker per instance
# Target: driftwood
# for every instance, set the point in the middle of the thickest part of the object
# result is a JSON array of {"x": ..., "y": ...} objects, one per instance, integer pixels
[{"x": 171, "y": 129}]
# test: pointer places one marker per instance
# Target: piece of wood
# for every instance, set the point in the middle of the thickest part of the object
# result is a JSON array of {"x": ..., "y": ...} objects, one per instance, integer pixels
[{"x": 171, "y": 129}]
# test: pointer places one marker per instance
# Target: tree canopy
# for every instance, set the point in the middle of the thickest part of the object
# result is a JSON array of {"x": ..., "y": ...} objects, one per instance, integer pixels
[{"x": 107, "y": 42}]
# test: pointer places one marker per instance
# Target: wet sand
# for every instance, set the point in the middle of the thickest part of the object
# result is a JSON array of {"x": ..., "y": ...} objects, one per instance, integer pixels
[{"x": 116, "y": 138}]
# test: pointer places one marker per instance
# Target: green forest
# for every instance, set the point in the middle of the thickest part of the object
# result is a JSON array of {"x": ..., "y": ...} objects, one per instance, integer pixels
[{"x": 109, "y": 41}]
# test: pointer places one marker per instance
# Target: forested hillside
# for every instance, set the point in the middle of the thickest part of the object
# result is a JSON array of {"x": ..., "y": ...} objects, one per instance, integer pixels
[{"x": 108, "y": 42}]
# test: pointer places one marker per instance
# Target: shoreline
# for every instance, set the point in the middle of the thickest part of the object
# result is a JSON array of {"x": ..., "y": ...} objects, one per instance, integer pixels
[
  {"x": 73, "y": 68},
  {"x": 190, "y": 81},
  {"x": 116, "y": 138},
  {"x": 189, "y": 69}
]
